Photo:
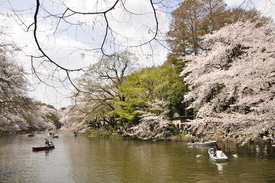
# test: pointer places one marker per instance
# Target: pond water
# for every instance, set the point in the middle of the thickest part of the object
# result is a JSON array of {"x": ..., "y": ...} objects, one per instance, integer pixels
[{"x": 84, "y": 159}]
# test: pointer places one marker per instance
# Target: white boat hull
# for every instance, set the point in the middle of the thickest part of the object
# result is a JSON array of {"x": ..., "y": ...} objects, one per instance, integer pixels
[
  {"x": 218, "y": 156},
  {"x": 206, "y": 143}
]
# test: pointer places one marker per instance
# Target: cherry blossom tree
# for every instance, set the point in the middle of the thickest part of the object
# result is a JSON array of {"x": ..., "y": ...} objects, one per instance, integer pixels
[
  {"x": 232, "y": 83},
  {"x": 17, "y": 110},
  {"x": 31, "y": 117},
  {"x": 154, "y": 124},
  {"x": 12, "y": 83}
]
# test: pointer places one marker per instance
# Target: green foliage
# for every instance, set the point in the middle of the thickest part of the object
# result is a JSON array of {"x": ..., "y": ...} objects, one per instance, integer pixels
[
  {"x": 171, "y": 129},
  {"x": 124, "y": 99},
  {"x": 43, "y": 104},
  {"x": 50, "y": 106},
  {"x": 135, "y": 91},
  {"x": 28, "y": 120},
  {"x": 147, "y": 85},
  {"x": 173, "y": 88},
  {"x": 99, "y": 134},
  {"x": 55, "y": 120},
  {"x": 100, "y": 91}
]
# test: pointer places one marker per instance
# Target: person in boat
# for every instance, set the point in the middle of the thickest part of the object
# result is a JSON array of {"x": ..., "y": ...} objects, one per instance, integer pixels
[
  {"x": 47, "y": 143},
  {"x": 194, "y": 133},
  {"x": 216, "y": 147}
]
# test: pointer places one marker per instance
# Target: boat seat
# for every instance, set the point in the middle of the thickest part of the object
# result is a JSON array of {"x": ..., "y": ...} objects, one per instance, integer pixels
[{"x": 219, "y": 154}]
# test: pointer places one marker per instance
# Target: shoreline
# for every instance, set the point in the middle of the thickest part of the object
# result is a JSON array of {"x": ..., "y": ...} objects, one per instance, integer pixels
[{"x": 236, "y": 138}]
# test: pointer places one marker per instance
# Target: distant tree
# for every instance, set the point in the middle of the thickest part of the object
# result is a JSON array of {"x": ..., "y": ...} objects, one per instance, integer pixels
[
  {"x": 137, "y": 89},
  {"x": 141, "y": 88},
  {"x": 195, "y": 18},
  {"x": 18, "y": 112},
  {"x": 101, "y": 26},
  {"x": 253, "y": 15},
  {"x": 215, "y": 15},
  {"x": 172, "y": 88},
  {"x": 154, "y": 124},
  {"x": 191, "y": 20},
  {"x": 13, "y": 84},
  {"x": 232, "y": 82},
  {"x": 100, "y": 86}
]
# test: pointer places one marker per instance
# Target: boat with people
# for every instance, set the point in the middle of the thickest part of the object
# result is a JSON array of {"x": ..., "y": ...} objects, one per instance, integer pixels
[
  {"x": 48, "y": 145},
  {"x": 217, "y": 155},
  {"x": 41, "y": 148},
  {"x": 203, "y": 143},
  {"x": 51, "y": 134}
]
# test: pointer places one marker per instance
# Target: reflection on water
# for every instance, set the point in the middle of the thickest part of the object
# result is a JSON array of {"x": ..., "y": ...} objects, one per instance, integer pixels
[
  {"x": 220, "y": 166},
  {"x": 81, "y": 159}
]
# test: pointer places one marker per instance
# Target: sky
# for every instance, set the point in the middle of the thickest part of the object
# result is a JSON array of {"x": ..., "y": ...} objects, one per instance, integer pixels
[{"x": 76, "y": 47}]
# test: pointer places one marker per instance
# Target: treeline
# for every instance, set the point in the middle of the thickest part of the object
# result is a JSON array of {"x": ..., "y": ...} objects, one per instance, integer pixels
[
  {"x": 219, "y": 70},
  {"x": 115, "y": 95},
  {"x": 18, "y": 111}
]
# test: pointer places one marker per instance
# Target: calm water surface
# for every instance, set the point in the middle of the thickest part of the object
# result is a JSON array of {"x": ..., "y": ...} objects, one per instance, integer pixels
[{"x": 95, "y": 160}]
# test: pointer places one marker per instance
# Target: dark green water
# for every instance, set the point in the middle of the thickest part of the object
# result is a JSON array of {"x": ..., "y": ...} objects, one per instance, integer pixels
[{"x": 83, "y": 160}]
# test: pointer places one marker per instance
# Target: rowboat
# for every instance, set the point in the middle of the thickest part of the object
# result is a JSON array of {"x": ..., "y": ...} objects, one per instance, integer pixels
[
  {"x": 203, "y": 143},
  {"x": 218, "y": 155},
  {"x": 53, "y": 135},
  {"x": 41, "y": 148}
]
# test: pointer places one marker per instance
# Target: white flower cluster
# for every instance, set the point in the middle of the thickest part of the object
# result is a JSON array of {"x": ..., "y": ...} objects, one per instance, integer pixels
[{"x": 233, "y": 80}]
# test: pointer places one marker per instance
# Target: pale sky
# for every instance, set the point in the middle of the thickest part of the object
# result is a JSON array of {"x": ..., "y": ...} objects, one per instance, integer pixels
[{"x": 74, "y": 47}]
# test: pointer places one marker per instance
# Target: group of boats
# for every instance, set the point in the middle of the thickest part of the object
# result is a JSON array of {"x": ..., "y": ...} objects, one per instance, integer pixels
[
  {"x": 214, "y": 153},
  {"x": 48, "y": 145}
]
